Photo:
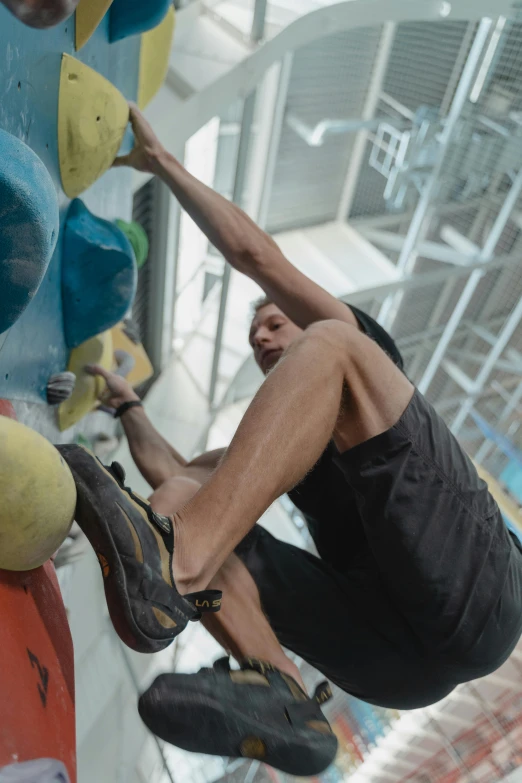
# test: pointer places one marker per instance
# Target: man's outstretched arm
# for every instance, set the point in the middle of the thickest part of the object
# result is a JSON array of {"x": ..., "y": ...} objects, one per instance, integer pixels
[
  {"x": 155, "y": 458},
  {"x": 245, "y": 246}
]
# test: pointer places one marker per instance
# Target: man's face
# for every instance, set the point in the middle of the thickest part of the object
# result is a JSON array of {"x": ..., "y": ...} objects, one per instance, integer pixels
[{"x": 270, "y": 335}]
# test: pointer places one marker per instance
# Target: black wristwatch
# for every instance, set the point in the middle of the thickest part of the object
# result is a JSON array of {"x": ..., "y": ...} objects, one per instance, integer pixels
[{"x": 125, "y": 407}]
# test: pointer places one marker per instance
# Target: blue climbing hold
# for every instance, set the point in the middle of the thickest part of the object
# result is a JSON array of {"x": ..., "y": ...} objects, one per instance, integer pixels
[
  {"x": 29, "y": 224},
  {"x": 99, "y": 275},
  {"x": 131, "y": 17}
]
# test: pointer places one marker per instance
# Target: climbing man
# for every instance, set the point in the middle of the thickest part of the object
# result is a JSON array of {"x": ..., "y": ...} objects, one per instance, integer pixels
[{"x": 418, "y": 583}]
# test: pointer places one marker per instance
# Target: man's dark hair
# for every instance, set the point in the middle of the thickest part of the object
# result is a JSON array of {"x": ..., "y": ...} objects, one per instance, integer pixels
[{"x": 258, "y": 305}]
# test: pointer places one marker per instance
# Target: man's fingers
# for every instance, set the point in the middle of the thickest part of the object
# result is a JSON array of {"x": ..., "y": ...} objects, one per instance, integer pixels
[
  {"x": 136, "y": 118},
  {"x": 95, "y": 369},
  {"x": 123, "y": 160}
]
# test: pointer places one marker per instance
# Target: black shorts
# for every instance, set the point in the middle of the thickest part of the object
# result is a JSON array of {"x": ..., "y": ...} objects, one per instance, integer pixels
[{"x": 434, "y": 599}]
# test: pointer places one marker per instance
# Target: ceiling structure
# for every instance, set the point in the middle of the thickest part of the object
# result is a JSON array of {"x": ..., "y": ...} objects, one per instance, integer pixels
[
  {"x": 381, "y": 144},
  {"x": 417, "y": 146}
]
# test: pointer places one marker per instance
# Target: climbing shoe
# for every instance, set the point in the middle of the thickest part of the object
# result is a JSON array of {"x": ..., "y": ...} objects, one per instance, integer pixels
[
  {"x": 257, "y": 712},
  {"x": 134, "y": 546}
]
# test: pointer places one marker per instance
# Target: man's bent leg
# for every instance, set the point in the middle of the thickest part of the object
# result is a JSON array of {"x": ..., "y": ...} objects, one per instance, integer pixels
[
  {"x": 339, "y": 623},
  {"x": 240, "y": 626},
  {"x": 283, "y": 433},
  {"x": 261, "y": 711}
]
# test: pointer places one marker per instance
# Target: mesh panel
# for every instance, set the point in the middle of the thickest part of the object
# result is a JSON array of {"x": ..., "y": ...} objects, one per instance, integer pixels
[
  {"x": 478, "y": 174},
  {"x": 328, "y": 81},
  {"x": 422, "y": 62}
]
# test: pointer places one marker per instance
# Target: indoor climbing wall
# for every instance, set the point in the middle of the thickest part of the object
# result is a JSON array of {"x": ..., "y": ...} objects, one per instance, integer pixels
[
  {"x": 30, "y": 95},
  {"x": 63, "y": 94},
  {"x": 68, "y": 272}
]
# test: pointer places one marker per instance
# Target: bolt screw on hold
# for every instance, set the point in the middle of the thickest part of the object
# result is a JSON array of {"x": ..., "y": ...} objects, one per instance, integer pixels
[
  {"x": 445, "y": 9},
  {"x": 60, "y": 386}
]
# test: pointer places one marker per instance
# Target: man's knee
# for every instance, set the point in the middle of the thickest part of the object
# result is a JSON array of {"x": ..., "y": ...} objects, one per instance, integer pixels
[{"x": 337, "y": 338}]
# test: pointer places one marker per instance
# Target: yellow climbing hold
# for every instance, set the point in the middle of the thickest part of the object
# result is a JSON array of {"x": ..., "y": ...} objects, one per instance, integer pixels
[
  {"x": 92, "y": 118},
  {"x": 154, "y": 58},
  {"x": 89, "y": 14},
  {"x": 97, "y": 350},
  {"x": 142, "y": 369},
  {"x": 38, "y": 497}
]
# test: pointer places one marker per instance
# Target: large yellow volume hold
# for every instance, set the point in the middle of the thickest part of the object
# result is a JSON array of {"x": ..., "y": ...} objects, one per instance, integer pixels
[
  {"x": 142, "y": 369},
  {"x": 92, "y": 118},
  {"x": 38, "y": 497},
  {"x": 88, "y": 16},
  {"x": 154, "y": 58},
  {"x": 85, "y": 397}
]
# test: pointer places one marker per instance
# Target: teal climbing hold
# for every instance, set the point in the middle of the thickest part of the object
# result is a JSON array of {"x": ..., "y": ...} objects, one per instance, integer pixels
[
  {"x": 131, "y": 17},
  {"x": 29, "y": 224},
  {"x": 99, "y": 275}
]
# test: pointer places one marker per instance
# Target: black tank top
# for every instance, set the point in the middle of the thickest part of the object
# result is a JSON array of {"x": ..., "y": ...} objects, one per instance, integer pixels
[{"x": 323, "y": 496}]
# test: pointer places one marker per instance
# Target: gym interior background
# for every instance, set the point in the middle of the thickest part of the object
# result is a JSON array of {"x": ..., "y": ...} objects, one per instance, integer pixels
[{"x": 380, "y": 143}]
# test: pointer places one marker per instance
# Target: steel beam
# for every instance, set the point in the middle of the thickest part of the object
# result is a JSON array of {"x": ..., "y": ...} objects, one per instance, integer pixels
[
  {"x": 488, "y": 392},
  {"x": 449, "y": 331},
  {"x": 252, "y": 771},
  {"x": 459, "y": 242},
  {"x": 419, "y": 223},
  {"x": 466, "y": 773},
  {"x": 429, "y": 278},
  {"x": 274, "y": 104},
  {"x": 467, "y": 294},
  {"x": 483, "y": 333},
  {"x": 258, "y": 22},
  {"x": 370, "y": 107},
  {"x": 511, "y": 367},
  {"x": 511, "y": 406},
  {"x": 487, "y": 67},
  {"x": 457, "y": 68},
  {"x": 436, "y": 251},
  {"x": 435, "y": 332},
  {"x": 239, "y": 187},
  {"x": 503, "y": 338},
  {"x": 497, "y": 292},
  {"x": 460, "y": 378},
  {"x": 163, "y": 274},
  {"x": 240, "y": 180},
  {"x": 441, "y": 714},
  {"x": 315, "y": 135},
  {"x": 490, "y": 715},
  {"x": 435, "y": 316}
]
